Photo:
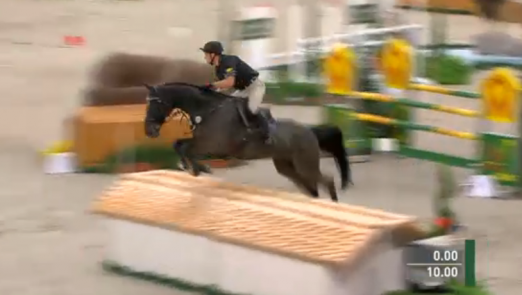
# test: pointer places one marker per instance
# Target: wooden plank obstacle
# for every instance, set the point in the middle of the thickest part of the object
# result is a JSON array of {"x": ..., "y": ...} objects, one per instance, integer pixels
[
  {"x": 497, "y": 154},
  {"x": 203, "y": 233},
  {"x": 101, "y": 131}
]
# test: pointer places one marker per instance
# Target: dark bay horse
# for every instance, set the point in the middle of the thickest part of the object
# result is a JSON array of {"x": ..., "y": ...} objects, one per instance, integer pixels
[
  {"x": 219, "y": 129},
  {"x": 118, "y": 78}
]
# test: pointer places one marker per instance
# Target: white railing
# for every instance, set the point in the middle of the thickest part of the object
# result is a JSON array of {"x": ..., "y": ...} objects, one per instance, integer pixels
[{"x": 322, "y": 45}]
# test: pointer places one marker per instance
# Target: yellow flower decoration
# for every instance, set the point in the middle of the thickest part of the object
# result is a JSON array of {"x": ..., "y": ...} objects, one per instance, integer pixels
[
  {"x": 339, "y": 68},
  {"x": 58, "y": 147},
  {"x": 396, "y": 63},
  {"x": 500, "y": 91}
]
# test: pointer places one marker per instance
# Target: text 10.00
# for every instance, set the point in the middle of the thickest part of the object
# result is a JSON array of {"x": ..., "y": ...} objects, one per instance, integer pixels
[{"x": 443, "y": 271}]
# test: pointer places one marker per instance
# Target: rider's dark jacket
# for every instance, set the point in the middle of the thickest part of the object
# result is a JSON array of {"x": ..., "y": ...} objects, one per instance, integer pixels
[{"x": 232, "y": 65}]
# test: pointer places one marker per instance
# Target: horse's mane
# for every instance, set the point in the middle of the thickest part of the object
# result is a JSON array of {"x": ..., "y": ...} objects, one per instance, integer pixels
[{"x": 204, "y": 93}]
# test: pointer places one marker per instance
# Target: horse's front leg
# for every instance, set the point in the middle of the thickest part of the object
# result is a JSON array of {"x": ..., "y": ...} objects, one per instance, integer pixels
[
  {"x": 180, "y": 146},
  {"x": 188, "y": 159}
]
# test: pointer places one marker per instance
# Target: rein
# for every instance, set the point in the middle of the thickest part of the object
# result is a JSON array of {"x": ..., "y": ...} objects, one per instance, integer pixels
[
  {"x": 182, "y": 115},
  {"x": 193, "y": 122}
]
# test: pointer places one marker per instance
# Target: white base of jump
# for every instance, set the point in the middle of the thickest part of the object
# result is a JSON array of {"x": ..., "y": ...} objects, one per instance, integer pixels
[
  {"x": 385, "y": 145},
  {"x": 247, "y": 240},
  {"x": 236, "y": 269},
  {"x": 482, "y": 186},
  {"x": 59, "y": 163}
]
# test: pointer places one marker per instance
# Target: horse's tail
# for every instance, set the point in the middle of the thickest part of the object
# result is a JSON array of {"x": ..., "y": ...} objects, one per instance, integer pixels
[
  {"x": 331, "y": 140},
  {"x": 103, "y": 96}
]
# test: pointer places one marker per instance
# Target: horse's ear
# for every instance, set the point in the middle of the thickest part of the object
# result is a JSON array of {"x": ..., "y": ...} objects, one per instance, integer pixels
[{"x": 149, "y": 88}]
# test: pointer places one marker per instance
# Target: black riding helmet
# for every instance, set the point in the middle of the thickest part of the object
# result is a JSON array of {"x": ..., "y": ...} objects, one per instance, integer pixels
[{"x": 213, "y": 47}]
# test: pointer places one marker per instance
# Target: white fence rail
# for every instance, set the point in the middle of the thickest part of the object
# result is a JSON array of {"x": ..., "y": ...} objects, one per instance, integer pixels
[{"x": 322, "y": 45}]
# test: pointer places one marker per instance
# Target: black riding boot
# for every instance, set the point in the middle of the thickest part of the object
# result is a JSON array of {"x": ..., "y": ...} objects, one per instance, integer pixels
[{"x": 267, "y": 124}]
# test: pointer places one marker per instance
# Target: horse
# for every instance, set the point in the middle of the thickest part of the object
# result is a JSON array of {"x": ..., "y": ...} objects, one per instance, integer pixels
[
  {"x": 219, "y": 126},
  {"x": 118, "y": 79}
]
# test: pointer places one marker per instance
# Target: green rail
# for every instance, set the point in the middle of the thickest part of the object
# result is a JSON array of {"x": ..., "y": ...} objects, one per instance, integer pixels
[
  {"x": 416, "y": 153},
  {"x": 415, "y": 126},
  {"x": 421, "y": 154},
  {"x": 417, "y": 104},
  {"x": 446, "y": 91},
  {"x": 445, "y": 159},
  {"x": 413, "y": 152}
]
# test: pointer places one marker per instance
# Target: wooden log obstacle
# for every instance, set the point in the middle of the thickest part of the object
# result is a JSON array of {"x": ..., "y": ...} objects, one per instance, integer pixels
[
  {"x": 496, "y": 154},
  {"x": 202, "y": 233},
  {"x": 102, "y": 131}
]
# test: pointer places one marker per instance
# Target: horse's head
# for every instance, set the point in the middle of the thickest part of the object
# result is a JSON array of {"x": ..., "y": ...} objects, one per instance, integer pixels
[
  {"x": 159, "y": 108},
  {"x": 162, "y": 99}
]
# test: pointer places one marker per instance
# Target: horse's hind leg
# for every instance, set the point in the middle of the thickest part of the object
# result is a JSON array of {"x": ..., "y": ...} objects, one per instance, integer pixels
[
  {"x": 308, "y": 169},
  {"x": 328, "y": 182},
  {"x": 287, "y": 169}
]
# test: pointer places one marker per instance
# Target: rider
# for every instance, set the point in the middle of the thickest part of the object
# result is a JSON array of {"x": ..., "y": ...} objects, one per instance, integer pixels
[{"x": 233, "y": 73}]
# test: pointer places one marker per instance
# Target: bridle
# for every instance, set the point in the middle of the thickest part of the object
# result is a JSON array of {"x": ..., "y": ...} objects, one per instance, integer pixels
[
  {"x": 175, "y": 112},
  {"x": 193, "y": 122}
]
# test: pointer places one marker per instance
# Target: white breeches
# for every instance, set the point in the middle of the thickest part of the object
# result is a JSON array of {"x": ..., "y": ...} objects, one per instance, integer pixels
[{"x": 255, "y": 93}]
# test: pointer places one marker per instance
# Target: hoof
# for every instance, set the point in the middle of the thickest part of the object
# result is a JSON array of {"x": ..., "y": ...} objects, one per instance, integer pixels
[
  {"x": 195, "y": 172},
  {"x": 346, "y": 186},
  {"x": 189, "y": 168},
  {"x": 205, "y": 169},
  {"x": 182, "y": 166}
]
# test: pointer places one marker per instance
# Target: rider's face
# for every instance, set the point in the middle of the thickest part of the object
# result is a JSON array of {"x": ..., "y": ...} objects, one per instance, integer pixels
[{"x": 208, "y": 57}]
